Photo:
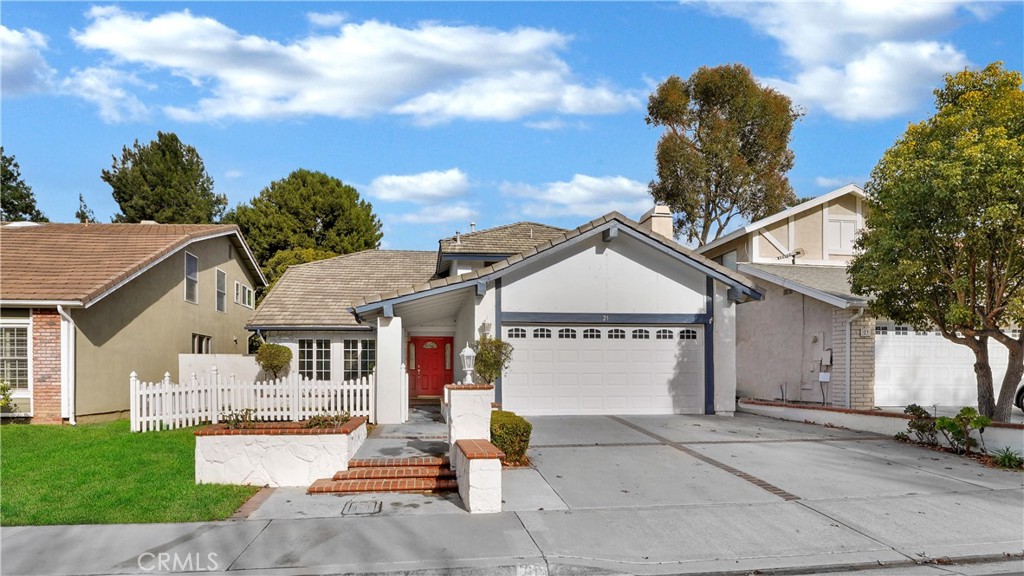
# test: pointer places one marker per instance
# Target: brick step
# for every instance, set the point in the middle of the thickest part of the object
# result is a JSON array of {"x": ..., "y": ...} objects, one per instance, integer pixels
[
  {"x": 416, "y": 461},
  {"x": 328, "y": 486},
  {"x": 385, "y": 472}
]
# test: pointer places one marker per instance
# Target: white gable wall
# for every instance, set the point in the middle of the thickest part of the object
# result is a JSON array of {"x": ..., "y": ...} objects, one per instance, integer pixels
[{"x": 621, "y": 276}]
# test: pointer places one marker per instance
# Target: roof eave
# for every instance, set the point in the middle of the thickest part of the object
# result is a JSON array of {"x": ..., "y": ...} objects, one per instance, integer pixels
[{"x": 801, "y": 288}]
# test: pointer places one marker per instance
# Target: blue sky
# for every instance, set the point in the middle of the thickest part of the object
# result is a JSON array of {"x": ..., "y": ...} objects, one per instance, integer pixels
[{"x": 445, "y": 113}]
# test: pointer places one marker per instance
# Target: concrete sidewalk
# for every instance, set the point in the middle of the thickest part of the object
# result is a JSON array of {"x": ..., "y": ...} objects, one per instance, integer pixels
[{"x": 634, "y": 495}]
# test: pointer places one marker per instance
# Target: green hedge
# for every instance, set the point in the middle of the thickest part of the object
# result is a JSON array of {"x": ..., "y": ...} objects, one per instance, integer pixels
[{"x": 511, "y": 434}]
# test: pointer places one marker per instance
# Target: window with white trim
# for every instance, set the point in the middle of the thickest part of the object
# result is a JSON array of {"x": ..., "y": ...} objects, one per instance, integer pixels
[
  {"x": 14, "y": 356},
  {"x": 664, "y": 334},
  {"x": 616, "y": 334},
  {"x": 243, "y": 295},
  {"x": 191, "y": 278},
  {"x": 902, "y": 330},
  {"x": 1015, "y": 333},
  {"x": 360, "y": 358},
  {"x": 517, "y": 333},
  {"x": 840, "y": 235},
  {"x": 880, "y": 330},
  {"x": 541, "y": 333},
  {"x": 315, "y": 359},
  {"x": 591, "y": 334},
  {"x": 567, "y": 333},
  {"x": 202, "y": 344},
  {"x": 687, "y": 334},
  {"x": 222, "y": 291},
  {"x": 641, "y": 334}
]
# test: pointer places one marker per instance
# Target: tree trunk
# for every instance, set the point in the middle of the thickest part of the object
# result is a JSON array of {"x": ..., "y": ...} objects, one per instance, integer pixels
[
  {"x": 1014, "y": 372},
  {"x": 983, "y": 372}
]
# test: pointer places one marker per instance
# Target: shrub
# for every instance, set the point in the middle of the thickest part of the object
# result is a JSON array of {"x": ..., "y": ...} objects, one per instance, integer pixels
[
  {"x": 5, "y": 394},
  {"x": 1008, "y": 458},
  {"x": 922, "y": 425},
  {"x": 328, "y": 420},
  {"x": 273, "y": 358},
  {"x": 901, "y": 437},
  {"x": 511, "y": 434},
  {"x": 492, "y": 357},
  {"x": 957, "y": 429},
  {"x": 238, "y": 419}
]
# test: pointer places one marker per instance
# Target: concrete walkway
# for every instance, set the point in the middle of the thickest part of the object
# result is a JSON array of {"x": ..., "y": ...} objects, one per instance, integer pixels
[{"x": 608, "y": 495}]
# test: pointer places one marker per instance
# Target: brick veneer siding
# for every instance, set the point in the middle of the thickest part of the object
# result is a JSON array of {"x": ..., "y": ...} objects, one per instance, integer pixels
[
  {"x": 862, "y": 360},
  {"x": 45, "y": 366}
]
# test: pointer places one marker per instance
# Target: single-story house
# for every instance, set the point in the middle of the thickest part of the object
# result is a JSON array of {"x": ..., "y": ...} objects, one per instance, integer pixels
[
  {"x": 811, "y": 339},
  {"x": 613, "y": 317},
  {"x": 84, "y": 305}
]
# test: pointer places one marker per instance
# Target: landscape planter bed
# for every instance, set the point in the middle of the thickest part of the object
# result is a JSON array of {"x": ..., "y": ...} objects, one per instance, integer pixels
[
  {"x": 997, "y": 435},
  {"x": 275, "y": 453}
]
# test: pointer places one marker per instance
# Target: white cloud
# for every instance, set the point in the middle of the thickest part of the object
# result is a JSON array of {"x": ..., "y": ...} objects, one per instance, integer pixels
[
  {"x": 423, "y": 188},
  {"x": 105, "y": 87},
  {"x": 552, "y": 124},
  {"x": 24, "y": 69},
  {"x": 838, "y": 182},
  {"x": 326, "y": 19},
  {"x": 586, "y": 196},
  {"x": 233, "y": 174},
  {"x": 858, "y": 59},
  {"x": 438, "y": 214},
  {"x": 431, "y": 72}
]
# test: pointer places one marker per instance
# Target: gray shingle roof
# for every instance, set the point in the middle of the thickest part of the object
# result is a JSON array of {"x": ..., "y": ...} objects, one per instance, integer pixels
[
  {"x": 547, "y": 245},
  {"x": 319, "y": 294},
  {"x": 832, "y": 280},
  {"x": 507, "y": 239}
]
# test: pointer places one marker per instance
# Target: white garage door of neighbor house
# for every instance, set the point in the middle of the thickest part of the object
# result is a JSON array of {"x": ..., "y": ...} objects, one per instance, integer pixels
[
  {"x": 566, "y": 370},
  {"x": 926, "y": 369}
]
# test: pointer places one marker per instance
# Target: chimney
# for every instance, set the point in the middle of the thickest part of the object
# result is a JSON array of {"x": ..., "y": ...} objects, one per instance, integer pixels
[
  {"x": 472, "y": 227},
  {"x": 658, "y": 220}
]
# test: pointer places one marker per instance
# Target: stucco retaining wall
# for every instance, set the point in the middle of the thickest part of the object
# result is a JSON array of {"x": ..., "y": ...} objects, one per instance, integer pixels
[
  {"x": 478, "y": 472},
  {"x": 888, "y": 423},
  {"x": 276, "y": 454}
]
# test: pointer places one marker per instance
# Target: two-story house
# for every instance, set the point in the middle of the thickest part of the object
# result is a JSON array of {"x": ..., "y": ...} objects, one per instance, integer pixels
[{"x": 84, "y": 305}]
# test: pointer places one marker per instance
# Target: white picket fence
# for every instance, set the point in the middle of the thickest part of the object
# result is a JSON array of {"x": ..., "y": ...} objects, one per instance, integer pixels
[{"x": 166, "y": 406}]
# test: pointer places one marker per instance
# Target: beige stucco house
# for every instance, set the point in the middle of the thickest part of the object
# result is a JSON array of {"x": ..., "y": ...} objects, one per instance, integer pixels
[
  {"x": 613, "y": 317},
  {"x": 811, "y": 339},
  {"x": 84, "y": 305}
]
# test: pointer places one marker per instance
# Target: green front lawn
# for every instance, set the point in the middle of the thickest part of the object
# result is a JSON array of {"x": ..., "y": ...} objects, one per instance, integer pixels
[{"x": 104, "y": 474}]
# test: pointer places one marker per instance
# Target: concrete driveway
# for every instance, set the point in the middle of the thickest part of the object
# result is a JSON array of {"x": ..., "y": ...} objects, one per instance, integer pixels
[{"x": 615, "y": 495}]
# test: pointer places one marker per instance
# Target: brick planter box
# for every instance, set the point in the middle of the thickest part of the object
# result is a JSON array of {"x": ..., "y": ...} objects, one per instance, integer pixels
[{"x": 275, "y": 453}]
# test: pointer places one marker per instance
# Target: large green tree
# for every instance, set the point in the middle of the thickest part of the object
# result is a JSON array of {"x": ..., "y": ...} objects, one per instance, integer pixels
[
  {"x": 306, "y": 210},
  {"x": 165, "y": 181},
  {"x": 944, "y": 241},
  {"x": 725, "y": 151},
  {"x": 17, "y": 202}
]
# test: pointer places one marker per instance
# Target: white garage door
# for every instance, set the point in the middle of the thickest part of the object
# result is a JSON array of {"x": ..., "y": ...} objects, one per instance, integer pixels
[
  {"x": 604, "y": 370},
  {"x": 924, "y": 368}
]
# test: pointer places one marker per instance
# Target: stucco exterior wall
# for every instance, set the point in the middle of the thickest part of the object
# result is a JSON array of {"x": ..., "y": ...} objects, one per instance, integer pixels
[
  {"x": 621, "y": 276},
  {"x": 725, "y": 351},
  {"x": 776, "y": 349},
  {"x": 740, "y": 245},
  {"x": 807, "y": 232},
  {"x": 145, "y": 324}
]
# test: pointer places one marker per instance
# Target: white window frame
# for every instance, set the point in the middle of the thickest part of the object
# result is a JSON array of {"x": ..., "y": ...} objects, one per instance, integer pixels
[
  {"x": 516, "y": 333},
  {"x": 22, "y": 393},
  {"x": 360, "y": 350},
  {"x": 243, "y": 295},
  {"x": 205, "y": 343},
  {"x": 688, "y": 334},
  {"x": 220, "y": 301},
  {"x": 196, "y": 279}
]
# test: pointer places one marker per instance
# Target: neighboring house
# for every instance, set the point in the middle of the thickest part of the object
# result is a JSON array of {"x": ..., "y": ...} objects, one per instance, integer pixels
[
  {"x": 84, "y": 305},
  {"x": 613, "y": 317},
  {"x": 811, "y": 331}
]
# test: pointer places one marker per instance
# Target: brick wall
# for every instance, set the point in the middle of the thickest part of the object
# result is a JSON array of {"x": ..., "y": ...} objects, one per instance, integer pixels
[
  {"x": 45, "y": 366},
  {"x": 862, "y": 360}
]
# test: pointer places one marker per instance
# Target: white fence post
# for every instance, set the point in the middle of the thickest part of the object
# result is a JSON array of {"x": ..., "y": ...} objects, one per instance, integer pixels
[{"x": 133, "y": 386}]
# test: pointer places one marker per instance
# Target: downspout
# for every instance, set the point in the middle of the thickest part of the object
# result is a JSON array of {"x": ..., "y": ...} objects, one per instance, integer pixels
[
  {"x": 70, "y": 359},
  {"x": 849, "y": 345}
]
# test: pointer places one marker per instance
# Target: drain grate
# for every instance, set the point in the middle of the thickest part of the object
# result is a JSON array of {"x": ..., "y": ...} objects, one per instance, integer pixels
[{"x": 361, "y": 508}]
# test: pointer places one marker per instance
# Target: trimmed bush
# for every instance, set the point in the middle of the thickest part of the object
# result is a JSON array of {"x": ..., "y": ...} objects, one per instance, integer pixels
[
  {"x": 511, "y": 434},
  {"x": 273, "y": 358},
  {"x": 492, "y": 358}
]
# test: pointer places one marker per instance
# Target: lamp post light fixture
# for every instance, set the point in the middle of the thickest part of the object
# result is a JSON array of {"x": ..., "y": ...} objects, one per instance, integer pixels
[
  {"x": 468, "y": 357},
  {"x": 485, "y": 328}
]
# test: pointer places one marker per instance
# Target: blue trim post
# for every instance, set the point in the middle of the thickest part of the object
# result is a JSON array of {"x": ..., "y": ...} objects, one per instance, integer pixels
[
  {"x": 497, "y": 332},
  {"x": 709, "y": 348}
]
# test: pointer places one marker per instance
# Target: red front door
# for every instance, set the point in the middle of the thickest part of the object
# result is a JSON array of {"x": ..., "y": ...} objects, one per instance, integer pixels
[{"x": 430, "y": 365}]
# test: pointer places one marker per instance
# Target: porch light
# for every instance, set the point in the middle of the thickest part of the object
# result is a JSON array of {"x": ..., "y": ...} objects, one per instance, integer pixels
[
  {"x": 485, "y": 328},
  {"x": 468, "y": 358}
]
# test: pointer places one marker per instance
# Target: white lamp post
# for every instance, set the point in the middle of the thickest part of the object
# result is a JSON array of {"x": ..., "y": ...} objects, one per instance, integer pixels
[{"x": 468, "y": 358}]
